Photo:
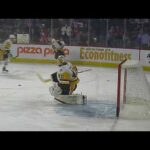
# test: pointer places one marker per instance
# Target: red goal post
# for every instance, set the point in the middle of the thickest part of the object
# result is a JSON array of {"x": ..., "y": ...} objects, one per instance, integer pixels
[
  {"x": 133, "y": 91},
  {"x": 119, "y": 86}
]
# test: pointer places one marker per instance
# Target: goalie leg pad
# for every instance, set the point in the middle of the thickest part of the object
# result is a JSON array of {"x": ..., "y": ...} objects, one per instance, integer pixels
[{"x": 74, "y": 99}]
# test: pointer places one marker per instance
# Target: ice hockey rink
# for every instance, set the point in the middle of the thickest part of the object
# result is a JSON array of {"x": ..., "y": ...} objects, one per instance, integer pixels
[{"x": 26, "y": 104}]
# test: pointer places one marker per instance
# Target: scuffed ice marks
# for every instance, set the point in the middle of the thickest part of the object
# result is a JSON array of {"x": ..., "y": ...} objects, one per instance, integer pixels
[{"x": 91, "y": 109}]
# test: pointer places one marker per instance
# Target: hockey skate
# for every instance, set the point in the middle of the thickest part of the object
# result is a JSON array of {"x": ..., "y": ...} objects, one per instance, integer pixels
[{"x": 4, "y": 69}]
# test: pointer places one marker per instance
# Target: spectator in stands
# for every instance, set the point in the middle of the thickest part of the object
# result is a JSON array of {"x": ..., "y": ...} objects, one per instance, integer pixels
[
  {"x": 118, "y": 34},
  {"x": 111, "y": 36},
  {"x": 126, "y": 40},
  {"x": 83, "y": 38},
  {"x": 143, "y": 39},
  {"x": 66, "y": 32},
  {"x": 44, "y": 34}
]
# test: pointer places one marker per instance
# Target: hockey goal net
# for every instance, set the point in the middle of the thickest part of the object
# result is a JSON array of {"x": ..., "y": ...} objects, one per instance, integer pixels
[{"x": 133, "y": 91}]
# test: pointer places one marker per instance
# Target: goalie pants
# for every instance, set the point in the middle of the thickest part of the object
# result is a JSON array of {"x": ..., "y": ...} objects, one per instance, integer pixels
[{"x": 67, "y": 88}]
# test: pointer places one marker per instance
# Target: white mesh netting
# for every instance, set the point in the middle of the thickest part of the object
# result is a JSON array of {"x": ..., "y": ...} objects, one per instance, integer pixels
[{"x": 137, "y": 92}]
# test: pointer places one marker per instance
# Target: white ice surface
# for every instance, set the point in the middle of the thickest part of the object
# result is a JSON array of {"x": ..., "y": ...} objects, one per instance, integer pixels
[{"x": 30, "y": 107}]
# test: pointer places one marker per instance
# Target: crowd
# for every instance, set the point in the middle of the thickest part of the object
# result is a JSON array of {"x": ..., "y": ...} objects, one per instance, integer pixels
[{"x": 118, "y": 33}]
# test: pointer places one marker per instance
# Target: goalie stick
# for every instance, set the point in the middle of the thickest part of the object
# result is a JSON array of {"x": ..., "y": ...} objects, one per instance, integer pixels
[
  {"x": 84, "y": 70},
  {"x": 41, "y": 78},
  {"x": 48, "y": 80}
]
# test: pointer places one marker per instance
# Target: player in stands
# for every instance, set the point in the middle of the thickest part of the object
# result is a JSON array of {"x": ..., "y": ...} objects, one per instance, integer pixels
[
  {"x": 66, "y": 78},
  {"x": 58, "y": 46},
  {"x": 6, "y": 51}
]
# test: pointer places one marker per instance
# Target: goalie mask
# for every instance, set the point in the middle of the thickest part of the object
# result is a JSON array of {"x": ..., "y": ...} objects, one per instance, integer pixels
[{"x": 61, "y": 60}]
